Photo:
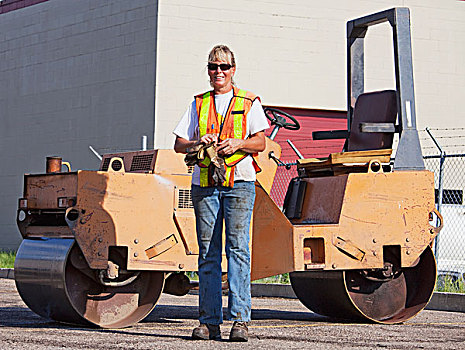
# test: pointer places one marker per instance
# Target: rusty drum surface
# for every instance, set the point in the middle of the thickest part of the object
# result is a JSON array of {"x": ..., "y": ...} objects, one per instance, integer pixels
[
  {"x": 55, "y": 282},
  {"x": 364, "y": 295}
]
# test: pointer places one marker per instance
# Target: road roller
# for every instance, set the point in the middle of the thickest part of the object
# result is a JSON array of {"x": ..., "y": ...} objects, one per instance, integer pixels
[{"x": 355, "y": 231}]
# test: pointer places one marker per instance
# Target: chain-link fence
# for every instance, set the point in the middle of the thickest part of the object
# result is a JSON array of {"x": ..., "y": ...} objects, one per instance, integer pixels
[
  {"x": 449, "y": 183},
  {"x": 443, "y": 154}
]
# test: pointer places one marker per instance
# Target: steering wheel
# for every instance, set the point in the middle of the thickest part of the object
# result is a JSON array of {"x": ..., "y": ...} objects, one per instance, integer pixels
[{"x": 279, "y": 118}]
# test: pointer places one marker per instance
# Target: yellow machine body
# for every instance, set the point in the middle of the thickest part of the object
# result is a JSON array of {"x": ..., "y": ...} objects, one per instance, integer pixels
[
  {"x": 150, "y": 214},
  {"x": 345, "y": 221}
]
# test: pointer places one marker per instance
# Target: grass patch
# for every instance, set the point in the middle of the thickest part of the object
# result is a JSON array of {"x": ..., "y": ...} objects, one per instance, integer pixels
[
  {"x": 7, "y": 259},
  {"x": 447, "y": 284},
  {"x": 280, "y": 279},
  {"x": 193, "y": 276},
  {"x": 450, "y": 284}
]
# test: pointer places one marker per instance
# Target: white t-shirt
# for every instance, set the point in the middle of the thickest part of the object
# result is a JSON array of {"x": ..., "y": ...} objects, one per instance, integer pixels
[{"x": 188, "y": 128}]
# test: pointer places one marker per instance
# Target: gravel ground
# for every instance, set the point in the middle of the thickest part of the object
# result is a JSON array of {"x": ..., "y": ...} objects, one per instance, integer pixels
[{"x": 277, "y": 324}]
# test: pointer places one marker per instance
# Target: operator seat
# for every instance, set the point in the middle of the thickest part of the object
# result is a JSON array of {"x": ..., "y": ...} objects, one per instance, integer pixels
[
  {"x": 370, "y": 137},
  {"x": 373, "y": 107},
  {"x": 368, "y": 146}
]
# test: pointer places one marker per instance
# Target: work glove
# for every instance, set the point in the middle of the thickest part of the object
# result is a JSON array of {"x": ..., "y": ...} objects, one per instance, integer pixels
[
  {"x": 216, "y": 169},
  {"x": 197, "y": 154},
  {"x": 192, "y": 156}
]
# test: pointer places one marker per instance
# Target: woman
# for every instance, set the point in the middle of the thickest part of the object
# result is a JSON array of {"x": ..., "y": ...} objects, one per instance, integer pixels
[{"x": 233, "y": 121}]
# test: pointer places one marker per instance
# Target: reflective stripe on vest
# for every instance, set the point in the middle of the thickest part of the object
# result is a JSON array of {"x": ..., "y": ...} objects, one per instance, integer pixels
[
  {"x": 208, "y": 123},
  {"x": 204, "y": 112}
]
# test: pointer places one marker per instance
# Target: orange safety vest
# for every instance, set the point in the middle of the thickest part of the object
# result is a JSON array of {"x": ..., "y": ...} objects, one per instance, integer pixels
[{"x": 234, "y": 126}]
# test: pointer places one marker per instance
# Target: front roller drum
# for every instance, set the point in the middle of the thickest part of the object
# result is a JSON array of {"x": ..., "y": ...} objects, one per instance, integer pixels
[
  {"x": 55, "y": 282},
  {"x": 363, "y": 295}
]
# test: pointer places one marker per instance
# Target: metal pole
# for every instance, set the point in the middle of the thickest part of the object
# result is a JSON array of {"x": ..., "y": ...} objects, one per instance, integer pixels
[
  {"x": 274, "y": 132},
  {"x": 95, "y": 152},
  {"x": 440, "y": 186},
  {"x": 144, "y": 143},
  {"x": 294, "y": 148}
]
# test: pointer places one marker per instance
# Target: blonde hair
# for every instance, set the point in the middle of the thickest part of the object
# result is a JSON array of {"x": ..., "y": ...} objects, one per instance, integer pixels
[{"x": 222, "y": 53}]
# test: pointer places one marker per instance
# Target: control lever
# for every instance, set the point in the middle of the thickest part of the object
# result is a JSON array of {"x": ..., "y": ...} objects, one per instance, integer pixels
[
  {"x": 294, "y": 148},
  {"x": 277, "y": 160}
]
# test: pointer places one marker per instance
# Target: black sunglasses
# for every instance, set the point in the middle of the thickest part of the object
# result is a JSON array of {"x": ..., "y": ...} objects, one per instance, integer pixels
[{"x": 223, "y": 66}]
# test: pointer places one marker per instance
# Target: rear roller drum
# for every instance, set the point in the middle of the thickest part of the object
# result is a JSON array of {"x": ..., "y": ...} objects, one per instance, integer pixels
[
  {"x": 54, "y": 280},
  {"x": 390, "y": 295}
]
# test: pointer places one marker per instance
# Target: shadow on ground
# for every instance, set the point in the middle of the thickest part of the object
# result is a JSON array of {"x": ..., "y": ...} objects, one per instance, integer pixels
[
  {"x": 177, "y": 313},
  {"x": 172, "y": 314}
]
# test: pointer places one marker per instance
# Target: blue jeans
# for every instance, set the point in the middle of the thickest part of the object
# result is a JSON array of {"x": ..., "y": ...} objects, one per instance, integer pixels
[{"x": 235, "y": 206}]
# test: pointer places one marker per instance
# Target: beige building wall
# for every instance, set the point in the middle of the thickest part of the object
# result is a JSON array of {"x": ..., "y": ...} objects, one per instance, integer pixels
[{"x": 293, "y": 53}]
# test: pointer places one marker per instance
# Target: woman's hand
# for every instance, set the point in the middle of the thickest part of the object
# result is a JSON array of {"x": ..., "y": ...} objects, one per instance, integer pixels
[
  {"x": 181, "y": 145},
  {"x": 254, "y": 144},
  {"x": 229, "y": 146},
  {"x": 209, "y": 138}
]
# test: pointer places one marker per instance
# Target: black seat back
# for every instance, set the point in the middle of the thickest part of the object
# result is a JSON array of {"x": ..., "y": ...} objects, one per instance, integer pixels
[{"x": 373, "y": 107}]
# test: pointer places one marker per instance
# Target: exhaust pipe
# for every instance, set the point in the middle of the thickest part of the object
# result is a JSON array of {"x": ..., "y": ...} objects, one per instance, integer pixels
[{"x": 53, "y": 165}]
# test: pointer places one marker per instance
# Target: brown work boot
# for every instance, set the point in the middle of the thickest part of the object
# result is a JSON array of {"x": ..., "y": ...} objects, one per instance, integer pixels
[
  {"x": 239, "y": 332},
  {"x": 206, "y": 332}
]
